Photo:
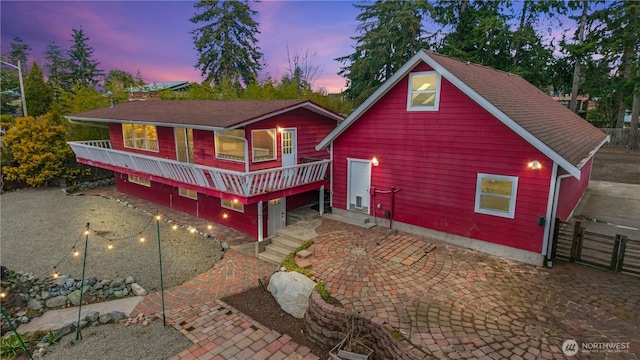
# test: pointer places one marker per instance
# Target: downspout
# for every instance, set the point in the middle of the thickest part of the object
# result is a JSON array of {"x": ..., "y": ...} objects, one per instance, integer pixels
[
  {"x": 552, "y": 220},
  {"x": 260, "y": 225},
  {"x": 331, "y": 176}
]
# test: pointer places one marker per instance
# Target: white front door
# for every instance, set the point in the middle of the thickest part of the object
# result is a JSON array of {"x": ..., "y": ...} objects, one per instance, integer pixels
[
  {"x": 289, "y": 156},
  {"x": 277, "y": 214},
  {"x": 358, "y": 183}
]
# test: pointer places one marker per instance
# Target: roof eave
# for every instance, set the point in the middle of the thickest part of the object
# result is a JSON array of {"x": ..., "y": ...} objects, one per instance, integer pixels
[
  {"x": 305, "y": 104},
  {"x": 71, "y": 119}
]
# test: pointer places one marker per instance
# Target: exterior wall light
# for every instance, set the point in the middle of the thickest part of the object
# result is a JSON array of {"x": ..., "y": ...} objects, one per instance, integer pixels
[
  {"x": 535, "y": 165},
  {"x": 374, "y": 161}
]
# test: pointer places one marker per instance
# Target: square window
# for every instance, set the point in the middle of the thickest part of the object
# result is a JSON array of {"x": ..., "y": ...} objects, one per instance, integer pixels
[
  {"x": 424, "y": 91},
  {"x": 263, "y": 145},
  {"x": 230, "y": 145},
  {"x": 192, "y": 194},
  {"x": 234, "y": 205},
  {"x": 496, "y": 195}
]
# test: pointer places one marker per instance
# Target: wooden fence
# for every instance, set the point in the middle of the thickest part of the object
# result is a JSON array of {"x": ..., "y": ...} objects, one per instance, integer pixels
[
  {"x": 617, "y": 253},
  {"x": 619, "y": 137}
]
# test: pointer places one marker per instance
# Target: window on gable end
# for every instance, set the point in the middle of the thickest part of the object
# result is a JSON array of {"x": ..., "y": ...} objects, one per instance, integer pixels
[{"x": 424, "y": 91}]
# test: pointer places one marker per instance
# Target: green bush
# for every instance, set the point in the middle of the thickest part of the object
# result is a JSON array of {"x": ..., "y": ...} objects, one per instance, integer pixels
[{"x": 11, "y": 346}]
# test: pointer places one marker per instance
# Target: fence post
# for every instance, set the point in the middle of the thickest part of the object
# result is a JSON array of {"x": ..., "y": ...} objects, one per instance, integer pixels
[
  {"x": 554, "y": 245},
  {"x": 617, "y": 257},
  {"x": 576, "y": 242}
]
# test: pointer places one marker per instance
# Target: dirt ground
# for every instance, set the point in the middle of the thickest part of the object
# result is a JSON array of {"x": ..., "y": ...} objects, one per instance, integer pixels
[{"x": 617, "y": 165}]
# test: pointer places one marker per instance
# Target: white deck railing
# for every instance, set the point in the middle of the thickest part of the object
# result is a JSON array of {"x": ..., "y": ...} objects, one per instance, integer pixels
[{"x": 228, "y": 181}]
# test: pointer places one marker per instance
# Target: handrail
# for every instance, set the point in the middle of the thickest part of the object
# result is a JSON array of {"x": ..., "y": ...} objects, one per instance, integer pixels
[{"x": 244, "y": 184}]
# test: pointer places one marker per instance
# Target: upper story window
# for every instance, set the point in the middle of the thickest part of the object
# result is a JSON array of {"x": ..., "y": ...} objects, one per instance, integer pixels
[
  {"x": 424, "y": 91},
  {"x": 230, "y": 145},
  {"x": 496, "y": 195},
  {"x": 263, "y": 145},
  {"x": 139, "y": 136}
]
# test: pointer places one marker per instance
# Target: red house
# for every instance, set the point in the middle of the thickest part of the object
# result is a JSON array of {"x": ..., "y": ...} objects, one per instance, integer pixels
[
  {"x": 241, "y": 163},
  {"x": 465, "y": 154}
]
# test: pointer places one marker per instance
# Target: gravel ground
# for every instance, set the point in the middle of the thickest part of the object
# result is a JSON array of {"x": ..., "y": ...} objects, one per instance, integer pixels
[
  {"x": 115, "y": 341},
  {"x": 40, "y": 227}
]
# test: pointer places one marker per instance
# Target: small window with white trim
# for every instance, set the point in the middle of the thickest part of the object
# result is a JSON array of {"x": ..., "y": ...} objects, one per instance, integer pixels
[
  {"x": 424, "y": 91},
  {"x": 496, "y": 195},
  {"x": 139, "y": 180},
  {"x": 263, "y": 145},
  {"x": 234, "y": 205},
  {"x": 191, "y": 194}
]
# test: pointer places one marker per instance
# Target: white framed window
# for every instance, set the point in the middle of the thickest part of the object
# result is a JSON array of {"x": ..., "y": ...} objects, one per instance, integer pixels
[
  {"x": 234, "y": 205},
  {"x": 140, "y": 136},
  {"x": 496, "y": 195},
  {"x": 263, "y": 145},
  {"x": 191, "y": 194},
  {"x": 424, "y": 91},
  {"x": 139, "y": 180},
  {"x": 229, "y": 145}
]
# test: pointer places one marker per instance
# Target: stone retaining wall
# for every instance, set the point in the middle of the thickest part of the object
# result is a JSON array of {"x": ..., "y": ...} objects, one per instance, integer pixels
[{"x": 327, "y": 324}]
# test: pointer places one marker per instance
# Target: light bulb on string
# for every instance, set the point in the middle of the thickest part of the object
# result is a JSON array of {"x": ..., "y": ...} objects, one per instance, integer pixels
[
  {"x": 175, "y": 227},
  {"x": 158, "y": 217},
  {"x": 142, "y": 239},
  {"x": 3, "y": 295},
  {"x": 110, "y": 246},
  {"x": 193, "y": 230},
  {"x": 75, "y": 251},
  {"x": 55, "y": 273},
  {"x": 209, "y": 226},
  {"x": 86, "y": 232}
]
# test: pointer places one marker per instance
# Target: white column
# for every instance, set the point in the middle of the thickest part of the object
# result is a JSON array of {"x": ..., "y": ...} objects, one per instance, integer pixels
[{"x": 260, "y": 225}]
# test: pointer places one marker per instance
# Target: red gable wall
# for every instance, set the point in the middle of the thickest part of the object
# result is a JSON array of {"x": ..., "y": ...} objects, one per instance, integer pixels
[{"x": 434, "y": 158}]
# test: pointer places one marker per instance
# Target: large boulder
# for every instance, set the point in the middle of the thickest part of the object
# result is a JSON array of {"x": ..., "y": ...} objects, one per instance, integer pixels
[{"x": 291, "y": 290}]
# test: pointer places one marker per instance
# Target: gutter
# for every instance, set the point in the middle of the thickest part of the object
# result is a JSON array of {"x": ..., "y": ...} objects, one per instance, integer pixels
[{"x": 552, "y": 220}]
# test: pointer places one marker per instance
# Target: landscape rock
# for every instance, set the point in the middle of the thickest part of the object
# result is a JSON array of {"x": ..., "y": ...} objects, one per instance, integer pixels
[
  {"x": 66, "y": 329},
  {"x": 291, "y": 290},
  {"x": 129, "y": 280},
  {"x": 34, "y": 304},
  {"x": 106, "y": 318},
  {"x": 138, "y": 290},
  {"x": 118, "y": 315},
  {"x": 92, "y": 316},
  {"x": 57, "y": 301}
]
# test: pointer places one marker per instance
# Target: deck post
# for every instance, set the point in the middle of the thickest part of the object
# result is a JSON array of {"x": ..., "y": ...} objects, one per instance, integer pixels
[
  {"x": 260, "y": 225},
  {"x": 321, "y": 201}
]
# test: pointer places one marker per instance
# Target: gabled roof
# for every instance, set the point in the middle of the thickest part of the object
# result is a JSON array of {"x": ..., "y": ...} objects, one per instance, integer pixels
[
  {"x": 159, "y": 86},
  {"x": 199, "y": 114},
  {"x": 553, "y": 129}
]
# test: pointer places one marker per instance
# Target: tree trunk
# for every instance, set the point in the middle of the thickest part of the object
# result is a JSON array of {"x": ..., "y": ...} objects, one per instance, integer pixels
[
  {"x": 576, "y": 68},
  {"x": 635, "y": 110},
  {"x": 518, "y": 38}
]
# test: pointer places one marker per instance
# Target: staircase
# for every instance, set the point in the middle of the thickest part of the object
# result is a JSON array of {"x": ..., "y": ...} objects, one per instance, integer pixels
[{"x": 287, "y": 239}]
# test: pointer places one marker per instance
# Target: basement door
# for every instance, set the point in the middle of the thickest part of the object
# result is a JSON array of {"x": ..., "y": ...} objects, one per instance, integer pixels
[
  {"x": 277, "y": 213},
  {"x": 358, "y": 184}
]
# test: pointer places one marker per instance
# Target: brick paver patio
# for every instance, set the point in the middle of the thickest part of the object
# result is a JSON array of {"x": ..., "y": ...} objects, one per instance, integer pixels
[{"x": 450, "y": 301}]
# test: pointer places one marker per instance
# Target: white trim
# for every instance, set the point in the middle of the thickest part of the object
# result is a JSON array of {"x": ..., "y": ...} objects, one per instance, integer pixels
[
  {"x": 349, "y": 162},
  {"x": 230, "y": 207},
  {"x": 424, "y": 57},
  {"x": 274, "y": 146},
  {"x": 436, "y": 92},
  {"x": 75, "y": 119},
  {"x": 512, "y": 197},
  {"x": 294, "y": 143},
  {"x": 550, "y": 205},
  {"x": 260, "y": 222}
]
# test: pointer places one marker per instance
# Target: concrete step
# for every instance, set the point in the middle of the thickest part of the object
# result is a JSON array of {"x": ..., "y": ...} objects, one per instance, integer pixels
[
  {"x": 361, "y": 220},
  {"x": 278, "y": 248},
  {"x": 286, "y": 241},
  {"x": 271, "y": 257}
]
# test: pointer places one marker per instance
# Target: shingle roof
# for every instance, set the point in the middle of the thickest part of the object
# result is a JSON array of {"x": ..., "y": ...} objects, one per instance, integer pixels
[
  {"x": 555, "y": 130},
  {"x": 566, "y": 133},
  {"x": 201, "y": 113}
]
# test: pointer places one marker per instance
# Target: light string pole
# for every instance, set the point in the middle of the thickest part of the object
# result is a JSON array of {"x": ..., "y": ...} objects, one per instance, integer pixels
[
  {"x": 4, "y": 314},
  {"x": 164, "y": 318},
  {"x": 84, "y": 265}
]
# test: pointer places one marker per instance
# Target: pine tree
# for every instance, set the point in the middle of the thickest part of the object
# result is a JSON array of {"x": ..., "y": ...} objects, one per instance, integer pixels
[
  {"x": 38, "y": 94},
  {"x": 19, "y": 52},
  {"x": 227, "y": 43},
  {"x": 58, "y": 67},
  {"x": 390, "y": 34},
  {"x": 84, "y": 69}
]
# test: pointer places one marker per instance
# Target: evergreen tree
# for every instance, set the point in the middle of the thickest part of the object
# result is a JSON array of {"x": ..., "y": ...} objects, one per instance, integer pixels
[
  {"x": 390, "y": 34},
  {"x": 58, "y": 67},
  {"x": 84, "y": 69},
  {"x": 227, "y": 43},
  {"x": 38, "y": 94},
  {"x": 19, "y": 52}
]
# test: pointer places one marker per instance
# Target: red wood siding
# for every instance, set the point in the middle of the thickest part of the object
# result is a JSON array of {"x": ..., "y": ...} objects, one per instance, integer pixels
[
  {"x": 311, "y": 128},
  {"x": 571, "y": 191},
  {"x": 205, "y": 207},
  {"x": 434, "y": 158}
]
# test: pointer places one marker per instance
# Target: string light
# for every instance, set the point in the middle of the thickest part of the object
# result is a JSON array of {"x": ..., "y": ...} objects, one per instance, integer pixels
[
  {"x": 75, "y": 252},
  {"x": 110, "y": 246},
  {"x": 142, "y": 239},
  {"x": 193, "y": 230},
  {"x": 209, "y": 226},
  {"x": 224, "y": 215},
  {"x": 86, "y": 232},
  {"x": 3, "y": 295},
  {"x": 55, "y": 273},
  {"x": 175, "y": 227},
  {"x": 158, "y": 217}
]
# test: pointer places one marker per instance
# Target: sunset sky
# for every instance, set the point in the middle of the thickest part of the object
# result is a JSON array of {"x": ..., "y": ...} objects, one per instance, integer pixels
[{"x": 154, "y": 36}]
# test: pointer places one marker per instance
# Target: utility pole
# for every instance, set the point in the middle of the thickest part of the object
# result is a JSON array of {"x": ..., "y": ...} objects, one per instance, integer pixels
[{"x": 22, "y": 94}]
